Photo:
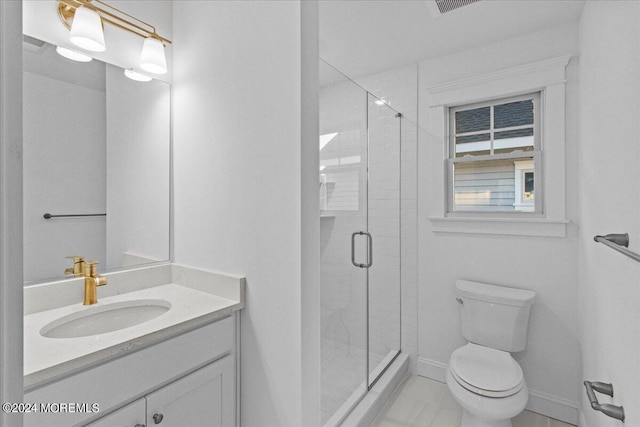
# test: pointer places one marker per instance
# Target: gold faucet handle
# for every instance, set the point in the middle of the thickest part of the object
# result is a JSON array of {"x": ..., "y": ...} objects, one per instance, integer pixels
[
  {"x": 92, "y": 271},
  {"x": 78, "y": 266},
  {"x": 91, "y": 268}
]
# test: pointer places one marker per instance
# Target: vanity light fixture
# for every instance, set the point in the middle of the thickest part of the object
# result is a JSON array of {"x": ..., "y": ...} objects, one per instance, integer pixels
[
  {"x": 87, "y": 31},
  {"x": 133, "y": 75},
  {"x": 72, "y": 54},
  {"x": 152, "y": 58}
]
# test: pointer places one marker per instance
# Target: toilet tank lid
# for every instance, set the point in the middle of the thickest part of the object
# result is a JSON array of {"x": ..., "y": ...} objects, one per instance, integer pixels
[{"x": 496, "y": 294}]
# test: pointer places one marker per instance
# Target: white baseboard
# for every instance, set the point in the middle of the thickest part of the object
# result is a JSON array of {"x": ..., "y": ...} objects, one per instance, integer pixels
[
  {"x": 540, "y": 402},
  {"x": 553, "y": 406},
  {"x": 431, "y": 369}
]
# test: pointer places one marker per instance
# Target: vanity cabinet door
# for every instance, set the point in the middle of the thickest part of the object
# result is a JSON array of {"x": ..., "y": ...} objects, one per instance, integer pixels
[
  {"x": 131, "y": 415},
  {"x": 201, "y": 399}
]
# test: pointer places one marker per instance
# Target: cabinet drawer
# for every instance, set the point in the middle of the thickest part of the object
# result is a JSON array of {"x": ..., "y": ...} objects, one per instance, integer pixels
[
  {"x": 133, "y": 375},
  {"x": 131, "y": 415}
]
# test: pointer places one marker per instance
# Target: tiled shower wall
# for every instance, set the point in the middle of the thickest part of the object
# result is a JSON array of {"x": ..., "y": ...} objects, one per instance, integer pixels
[{"x": 343, "y": 296}]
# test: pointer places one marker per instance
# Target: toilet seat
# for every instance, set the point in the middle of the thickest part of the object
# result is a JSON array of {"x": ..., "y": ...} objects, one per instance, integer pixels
[{"x": 486, "y": 371}]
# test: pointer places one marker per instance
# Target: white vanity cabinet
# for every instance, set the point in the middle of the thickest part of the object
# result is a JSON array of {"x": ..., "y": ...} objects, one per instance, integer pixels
[
  {"x": 132, "y": 415},
  {"x": 203, "y": 398},
  {"x": 187, "y": 380},
  {"x": 199, "y": 399}
]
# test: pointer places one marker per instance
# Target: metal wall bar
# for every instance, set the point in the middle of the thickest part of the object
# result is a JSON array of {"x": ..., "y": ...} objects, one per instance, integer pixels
[
  {"x": 619, "y": 243},
  {"x": 49, "y": 216}
]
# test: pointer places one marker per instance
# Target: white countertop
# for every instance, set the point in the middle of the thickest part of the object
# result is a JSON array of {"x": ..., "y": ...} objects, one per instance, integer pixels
[{"x": 48, "y": 358}]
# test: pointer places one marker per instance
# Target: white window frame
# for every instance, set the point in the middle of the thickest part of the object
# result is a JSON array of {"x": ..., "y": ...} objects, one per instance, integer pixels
[
  {"x": 536, "y": 154},
  {"x": 546, "y": 77}
]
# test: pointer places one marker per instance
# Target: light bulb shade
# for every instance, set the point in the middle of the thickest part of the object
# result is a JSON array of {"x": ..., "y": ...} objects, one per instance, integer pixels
[
  {"x": 86, "y": 30},
  {"x": 72, "y": 54},
  {"x": 136, "y": 76},
  {"x": 152, "y": 57}
]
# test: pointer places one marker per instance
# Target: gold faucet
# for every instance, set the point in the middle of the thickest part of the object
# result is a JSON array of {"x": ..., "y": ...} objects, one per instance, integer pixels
[
  {"x": 91, "y": 282},
  {"x": 78, "y": 266}
]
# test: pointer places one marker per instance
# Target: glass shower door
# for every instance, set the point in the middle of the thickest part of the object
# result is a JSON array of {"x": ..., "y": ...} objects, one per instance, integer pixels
[
  {"x": 343, "y": 210},
  {"x": 383, "y": 214},
  {"x": 359, "y": 185}
]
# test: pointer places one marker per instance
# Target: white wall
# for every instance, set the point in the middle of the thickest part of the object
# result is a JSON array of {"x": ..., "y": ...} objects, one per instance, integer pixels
[
  {"x": 245, "y": 186},
  {"x": 551, "y": 362},
  {"x": 138, "y": 131},
  {"x": 609, "y": 203},
  {"x": 11, "y": 377},
  {"x": 64, "y": 173}
]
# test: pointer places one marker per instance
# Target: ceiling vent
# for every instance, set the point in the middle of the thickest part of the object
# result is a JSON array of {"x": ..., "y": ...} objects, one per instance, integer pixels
[{"x": 445, "y": 6}]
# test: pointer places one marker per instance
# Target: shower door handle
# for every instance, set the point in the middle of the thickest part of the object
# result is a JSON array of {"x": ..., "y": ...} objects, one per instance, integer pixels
[{"x": 369, "y": 252}]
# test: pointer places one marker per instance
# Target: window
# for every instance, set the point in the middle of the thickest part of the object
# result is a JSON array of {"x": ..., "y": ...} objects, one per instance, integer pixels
[
  {"x": 542, "y": 212},
  {"x": 495, "y": 156}
]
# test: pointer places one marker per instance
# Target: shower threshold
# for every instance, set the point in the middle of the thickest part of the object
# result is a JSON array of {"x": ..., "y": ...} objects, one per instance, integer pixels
[{"x": 360, "y": 410}]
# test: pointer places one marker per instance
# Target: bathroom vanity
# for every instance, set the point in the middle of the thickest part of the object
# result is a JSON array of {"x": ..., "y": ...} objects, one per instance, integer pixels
[{"x": 176, "y": 368}]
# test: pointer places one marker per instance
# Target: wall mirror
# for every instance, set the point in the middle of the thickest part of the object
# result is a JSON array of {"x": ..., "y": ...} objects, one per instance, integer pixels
[{"x": 95, "y": 143}]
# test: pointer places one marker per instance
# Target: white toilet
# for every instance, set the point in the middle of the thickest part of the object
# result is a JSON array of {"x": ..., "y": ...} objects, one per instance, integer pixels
[{"x": 482, "y": 376}]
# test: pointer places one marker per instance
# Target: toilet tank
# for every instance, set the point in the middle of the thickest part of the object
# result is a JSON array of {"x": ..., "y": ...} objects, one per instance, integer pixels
[{"x": 494, "y": 316}]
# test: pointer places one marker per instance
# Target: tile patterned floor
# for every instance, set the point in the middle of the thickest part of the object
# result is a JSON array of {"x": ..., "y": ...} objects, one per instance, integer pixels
[{"x": 423, "y": 402}]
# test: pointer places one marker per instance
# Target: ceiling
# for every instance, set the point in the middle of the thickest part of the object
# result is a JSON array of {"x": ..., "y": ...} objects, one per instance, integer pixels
[{"x": 363, "y": 37}]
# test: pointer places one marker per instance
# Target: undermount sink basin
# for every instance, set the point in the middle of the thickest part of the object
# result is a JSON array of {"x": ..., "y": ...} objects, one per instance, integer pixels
[{"x": 100, "y": 319}]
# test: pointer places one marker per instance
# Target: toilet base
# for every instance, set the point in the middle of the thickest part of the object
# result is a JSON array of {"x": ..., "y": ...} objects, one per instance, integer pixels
[
  {"x": 481, "y": 411},
  {"x": 470, "y": 420}
]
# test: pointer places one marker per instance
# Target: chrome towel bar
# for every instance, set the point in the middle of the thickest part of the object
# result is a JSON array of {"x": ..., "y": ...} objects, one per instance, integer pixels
[
  {"x": 612, "y": 411},
  {"x": 49, "y": 216},
  {"x": 618, "y": 242}
]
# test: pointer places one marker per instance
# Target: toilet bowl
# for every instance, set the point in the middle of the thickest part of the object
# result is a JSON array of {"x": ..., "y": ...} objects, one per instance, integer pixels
[
  {"x": 482, "y": 376},
  {"x": 488, "y": 384}
]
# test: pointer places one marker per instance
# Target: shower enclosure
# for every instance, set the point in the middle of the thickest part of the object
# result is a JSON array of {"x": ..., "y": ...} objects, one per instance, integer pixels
[{"x": 360, "y": 241}]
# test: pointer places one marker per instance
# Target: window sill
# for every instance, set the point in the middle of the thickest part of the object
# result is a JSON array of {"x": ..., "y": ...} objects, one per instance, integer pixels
[{"x": 500, "y": 226}]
